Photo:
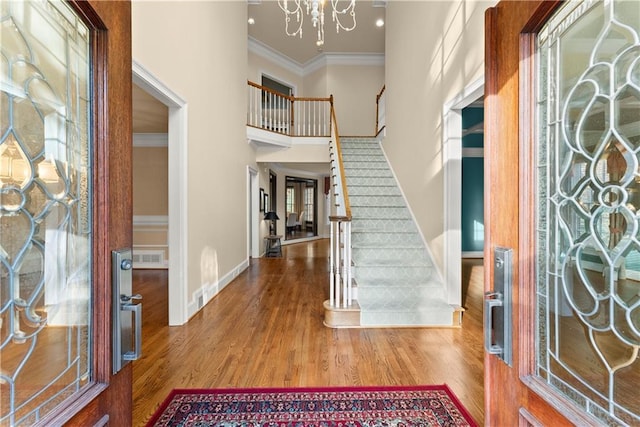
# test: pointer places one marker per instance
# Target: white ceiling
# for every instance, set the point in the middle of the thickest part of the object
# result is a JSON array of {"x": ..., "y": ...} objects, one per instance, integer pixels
[
  {"x": 269, "y": 28},
  {"x": 150, "y": 116}
]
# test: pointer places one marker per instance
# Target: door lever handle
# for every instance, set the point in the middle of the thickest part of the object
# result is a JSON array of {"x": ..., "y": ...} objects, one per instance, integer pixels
[
  {"x": 491, "y": 300},
  {"x": 128, "y": 298},
  {"x": 497, "y": 308},
  {"x": 126, "y": 313}
]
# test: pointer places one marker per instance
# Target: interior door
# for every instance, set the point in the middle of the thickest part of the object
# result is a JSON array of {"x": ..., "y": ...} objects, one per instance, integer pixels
[
  {"x": 65, "y": 204},
  {"x": 562, "y": 127}
]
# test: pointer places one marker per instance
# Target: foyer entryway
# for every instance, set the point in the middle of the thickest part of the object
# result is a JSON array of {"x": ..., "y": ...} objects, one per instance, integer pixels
[{"x": 265, "y": 330}]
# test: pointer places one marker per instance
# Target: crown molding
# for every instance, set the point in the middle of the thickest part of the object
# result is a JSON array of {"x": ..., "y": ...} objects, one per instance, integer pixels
[
  {"x": 320, "y": 61},
  {"x": 267, "y": 52},
  {"x": 150, "y": 140},
  {"x": 349, "y": 59}
]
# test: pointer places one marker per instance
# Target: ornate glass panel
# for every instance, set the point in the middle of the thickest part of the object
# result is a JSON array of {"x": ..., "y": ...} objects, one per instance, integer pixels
[
  {"x": 45, "y": 208},
  {"x": 588, "y": 260}
]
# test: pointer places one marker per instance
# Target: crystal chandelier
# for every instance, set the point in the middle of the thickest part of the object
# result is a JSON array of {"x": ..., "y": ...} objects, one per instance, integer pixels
[{"x": 315, "y": 8}]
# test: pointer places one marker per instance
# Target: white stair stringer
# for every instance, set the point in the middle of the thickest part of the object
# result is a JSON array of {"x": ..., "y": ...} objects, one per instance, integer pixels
[{"x": 394, "y": 274}]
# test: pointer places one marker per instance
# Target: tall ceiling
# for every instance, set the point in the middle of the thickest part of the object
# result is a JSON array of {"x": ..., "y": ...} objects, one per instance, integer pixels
[
  {"x": 150, "y": 116},
  {"x": 269, "y": 28}
]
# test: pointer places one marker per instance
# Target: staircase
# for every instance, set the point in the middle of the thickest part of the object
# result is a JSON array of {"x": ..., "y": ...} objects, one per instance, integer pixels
[{"x": 397, "y": 284}]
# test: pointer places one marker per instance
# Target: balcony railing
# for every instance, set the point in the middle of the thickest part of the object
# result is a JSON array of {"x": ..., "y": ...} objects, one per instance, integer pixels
[{"x": 288, "y": 115}]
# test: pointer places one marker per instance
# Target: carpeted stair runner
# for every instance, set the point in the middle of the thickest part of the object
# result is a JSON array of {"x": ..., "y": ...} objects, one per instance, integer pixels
[{"x": 395, "y": 277}]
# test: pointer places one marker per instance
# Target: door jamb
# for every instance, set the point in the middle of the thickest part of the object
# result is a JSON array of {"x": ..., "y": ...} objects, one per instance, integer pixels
[
  {"x": 177, "y": 156},
  {"x": 253, "y": 214},
  {"x": 452, "y": 158}
]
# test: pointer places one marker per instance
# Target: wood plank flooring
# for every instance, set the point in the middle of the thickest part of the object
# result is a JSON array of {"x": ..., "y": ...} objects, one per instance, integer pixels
[{"x": 265, "y": 330}]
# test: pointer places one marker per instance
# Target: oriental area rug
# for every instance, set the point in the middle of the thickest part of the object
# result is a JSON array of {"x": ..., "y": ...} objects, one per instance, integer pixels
[{"x": 307, "y": 407}]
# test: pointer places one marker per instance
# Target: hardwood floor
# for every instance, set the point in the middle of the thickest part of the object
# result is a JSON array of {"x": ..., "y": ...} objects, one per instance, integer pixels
[{"x": 265, "y": 330}]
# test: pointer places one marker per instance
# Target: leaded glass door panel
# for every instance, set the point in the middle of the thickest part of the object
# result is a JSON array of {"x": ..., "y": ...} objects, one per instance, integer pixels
[
  {"x": 563, "y": 101},
  {"x": 588, "y": 182},
  {"x": 59, "y": 217}
]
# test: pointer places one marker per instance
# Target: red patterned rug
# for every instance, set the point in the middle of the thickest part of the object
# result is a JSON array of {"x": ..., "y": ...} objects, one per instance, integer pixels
[{"x": 325, "y": 407}]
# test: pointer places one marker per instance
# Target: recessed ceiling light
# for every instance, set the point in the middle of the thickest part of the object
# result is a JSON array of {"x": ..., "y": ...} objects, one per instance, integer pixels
[
  {"x": 379, "y": 23},
  {"x": 251, "y": 21}
]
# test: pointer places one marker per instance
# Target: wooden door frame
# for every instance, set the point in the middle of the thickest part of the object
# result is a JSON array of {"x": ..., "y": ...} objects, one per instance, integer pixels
[
  {"x": 107, "y": 399},
  {"x": 510, "y": 66}
]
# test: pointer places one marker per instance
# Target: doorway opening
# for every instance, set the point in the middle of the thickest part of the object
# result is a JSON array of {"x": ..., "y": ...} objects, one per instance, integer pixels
[
  {"x": 472, "y": 188},
  {"x": 301, "y": 201},
  {"x": 453, "y": 160},
  {"x": 177, "y": 189}
]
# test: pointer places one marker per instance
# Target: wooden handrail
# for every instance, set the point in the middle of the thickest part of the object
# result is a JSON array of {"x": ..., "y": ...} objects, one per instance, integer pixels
[
  {"x": 378, "y": 96},
  {"x": 311, "y": 113},
  {"x": 314, "y": 99},
  {"x": 266, "y": 89},
  {"x": 289, "y": 97},
  {"x": 345, "y": 193}
]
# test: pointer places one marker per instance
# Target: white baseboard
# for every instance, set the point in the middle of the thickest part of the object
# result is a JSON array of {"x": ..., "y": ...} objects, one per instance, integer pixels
[{"x": 207, "y": 291}]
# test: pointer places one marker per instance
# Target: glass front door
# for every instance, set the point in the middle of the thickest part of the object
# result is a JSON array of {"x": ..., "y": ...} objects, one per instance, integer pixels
[
  {"x": 588, "y": 267},
  {"x": 45, "y": 208}
]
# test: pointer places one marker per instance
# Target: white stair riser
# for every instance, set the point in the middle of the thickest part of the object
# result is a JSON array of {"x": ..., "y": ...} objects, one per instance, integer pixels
[
  {"x": 375, "y": 225},
  {"x": 376, "y": 201},
  {"x": 387, "y": 273},
  {"x": 378, "y": 190},
  {"x": 396, "y": 239},
  {"x": 411, "y": 256}
]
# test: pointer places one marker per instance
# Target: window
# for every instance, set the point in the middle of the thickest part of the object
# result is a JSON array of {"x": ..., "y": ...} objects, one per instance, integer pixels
[
  {"x": 277, "y": 86},
  {"x": 308, "y": 203},
  {"x": 291, "y": 199}
]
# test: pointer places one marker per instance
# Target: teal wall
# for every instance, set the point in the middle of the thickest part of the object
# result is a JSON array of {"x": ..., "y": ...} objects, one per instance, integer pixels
[{"x": 472, "y": 227}]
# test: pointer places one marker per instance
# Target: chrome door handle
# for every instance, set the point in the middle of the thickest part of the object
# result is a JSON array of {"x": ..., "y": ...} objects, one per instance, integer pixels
[
  {"x": 136, "y": 353},
  {"x": 497, "y": 308},
  {"x": 127, "y": 316},
  {"x": 491, "y": 300}
]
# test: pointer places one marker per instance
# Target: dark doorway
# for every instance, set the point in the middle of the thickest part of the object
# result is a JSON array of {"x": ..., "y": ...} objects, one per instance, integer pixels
[{"x": 301, "y": 207}]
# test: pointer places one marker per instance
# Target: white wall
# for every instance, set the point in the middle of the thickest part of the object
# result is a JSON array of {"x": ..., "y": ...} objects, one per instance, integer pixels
[
  {"x": 434, "y": 49},
  {"x": 258, "y": 65},
  {"x": 199, "y": 51},
  {"x": 354, "y": 89}
]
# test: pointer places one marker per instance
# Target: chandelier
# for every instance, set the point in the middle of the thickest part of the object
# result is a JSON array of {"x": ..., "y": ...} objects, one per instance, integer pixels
[{"x": 315, "y": 8}]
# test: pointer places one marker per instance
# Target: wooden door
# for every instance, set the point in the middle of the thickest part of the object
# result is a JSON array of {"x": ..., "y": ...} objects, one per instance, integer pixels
[
  {"x": 65, "y": 204},
  {"x": 562, "y": 125},
  {"x": 113, "y": 132}
]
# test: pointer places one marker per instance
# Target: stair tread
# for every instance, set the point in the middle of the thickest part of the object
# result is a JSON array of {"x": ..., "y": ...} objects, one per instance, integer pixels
[
  {"x": 369, "y": 185},
  {"x": 420, "y": 282},
  {"x": 384, "y": 245},
  {"x": 379, "y": 230},
  {"x": 391, "y": 263}
]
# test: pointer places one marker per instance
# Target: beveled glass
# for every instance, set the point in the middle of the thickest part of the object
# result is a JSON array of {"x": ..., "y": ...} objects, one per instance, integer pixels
[
  {"x": 588, "y": 262},
  {"x": 45, "y": 214}
]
